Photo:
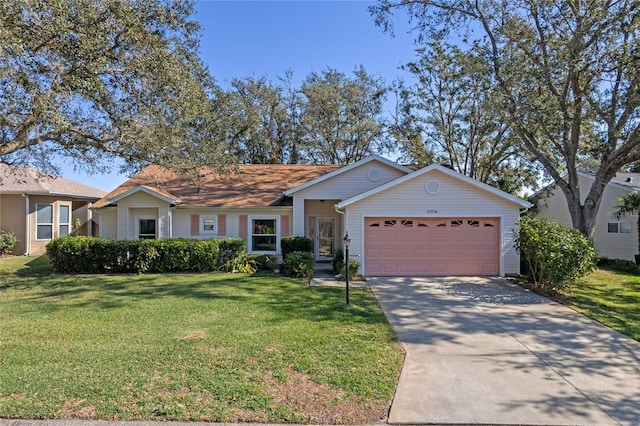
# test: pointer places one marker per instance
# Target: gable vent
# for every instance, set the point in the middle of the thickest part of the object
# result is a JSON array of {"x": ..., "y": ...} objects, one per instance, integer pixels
[{"x": 432, "y": 186}]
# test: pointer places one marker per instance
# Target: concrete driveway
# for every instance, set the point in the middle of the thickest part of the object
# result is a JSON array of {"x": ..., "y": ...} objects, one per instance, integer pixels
[{"x": 485, "y": 351}]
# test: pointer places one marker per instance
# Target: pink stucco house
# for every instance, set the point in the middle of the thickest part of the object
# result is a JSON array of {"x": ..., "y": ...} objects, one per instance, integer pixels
[{"x": 401, "y": 221}]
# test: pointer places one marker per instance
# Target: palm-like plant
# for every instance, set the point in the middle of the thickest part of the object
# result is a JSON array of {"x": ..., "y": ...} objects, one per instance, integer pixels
[{"x": 630, "y": 204}]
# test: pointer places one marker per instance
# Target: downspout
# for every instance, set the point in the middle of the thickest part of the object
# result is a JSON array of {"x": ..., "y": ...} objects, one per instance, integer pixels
[
  {"x": 344, "y": 223},
  {"x": 27, "y": 227}
]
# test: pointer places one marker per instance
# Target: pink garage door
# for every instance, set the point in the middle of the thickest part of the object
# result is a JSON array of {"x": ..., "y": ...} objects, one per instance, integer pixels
[{"x": 432, "y": 246}]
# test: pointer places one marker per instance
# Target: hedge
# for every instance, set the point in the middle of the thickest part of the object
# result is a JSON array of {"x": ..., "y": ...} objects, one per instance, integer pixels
[
  {"x": 91, "y": 255},
  {"x": 292, "y": 244}
]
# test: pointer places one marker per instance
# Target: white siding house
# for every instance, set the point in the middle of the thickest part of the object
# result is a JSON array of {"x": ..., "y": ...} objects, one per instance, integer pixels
[
  {"x": 615, "y": 238},
  {"x": 433, "y": 221}
]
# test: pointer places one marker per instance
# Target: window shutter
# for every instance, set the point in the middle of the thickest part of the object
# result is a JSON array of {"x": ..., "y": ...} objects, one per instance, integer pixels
[
  {"x": 195, "y": 224},
  {"x": 243, "y": 227},
  {"x": 222, "y": 224},
  {"x": 284, "y": 225}
]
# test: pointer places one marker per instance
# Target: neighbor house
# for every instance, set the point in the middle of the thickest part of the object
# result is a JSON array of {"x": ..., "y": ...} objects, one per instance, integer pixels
[
  {"x": 615, "y": 238},
  {"x": 37, "y": 207},
  {"x": 431, "y": 221}
]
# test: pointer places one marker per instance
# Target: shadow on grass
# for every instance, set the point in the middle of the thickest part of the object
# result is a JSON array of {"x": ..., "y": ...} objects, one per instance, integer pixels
[
  {"x": 38, "y": 267},
  {"x": 286, "y": 298}
]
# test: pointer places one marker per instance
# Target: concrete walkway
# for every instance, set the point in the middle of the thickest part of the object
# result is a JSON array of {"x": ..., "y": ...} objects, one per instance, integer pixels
[{"x": 485, "y": 351}]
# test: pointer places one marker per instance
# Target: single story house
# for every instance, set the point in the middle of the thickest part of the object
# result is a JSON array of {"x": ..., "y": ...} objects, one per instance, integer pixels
[
  {"x": 401, "y": 222},
  {"x": 38, "y": 207},
  {"x": 615, "y": 238}
]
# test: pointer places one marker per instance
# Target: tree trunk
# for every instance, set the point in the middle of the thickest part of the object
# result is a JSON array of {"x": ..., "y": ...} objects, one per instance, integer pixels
[{"x": 583, "y": 214}]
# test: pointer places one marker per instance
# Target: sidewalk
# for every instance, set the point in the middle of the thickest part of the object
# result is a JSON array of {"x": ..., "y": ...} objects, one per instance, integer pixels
[{"x": 323, "y": 276}]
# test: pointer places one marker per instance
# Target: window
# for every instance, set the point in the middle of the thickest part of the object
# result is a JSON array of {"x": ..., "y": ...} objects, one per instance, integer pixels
[
  {"x": 44, "y": 221},
  {"x": 64, "y": 217},
  {"x": 208, "y": 224},
  {"x": 146, "y": 229},
  {"x": 264, "y": 234},
  {"x": 618, "y": 228}
]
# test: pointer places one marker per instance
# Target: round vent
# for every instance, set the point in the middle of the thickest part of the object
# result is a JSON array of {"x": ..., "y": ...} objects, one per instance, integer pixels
[
  {"x": 432, "y": 186},
  {"x": 374, "y": 175}
]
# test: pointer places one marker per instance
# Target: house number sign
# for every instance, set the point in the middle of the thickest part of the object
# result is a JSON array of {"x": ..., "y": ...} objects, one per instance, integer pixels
[{"x": 432, "y": 211}]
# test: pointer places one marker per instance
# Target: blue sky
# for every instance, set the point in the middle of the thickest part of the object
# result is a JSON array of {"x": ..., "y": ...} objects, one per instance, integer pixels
[{"x": 266, "y": 38}]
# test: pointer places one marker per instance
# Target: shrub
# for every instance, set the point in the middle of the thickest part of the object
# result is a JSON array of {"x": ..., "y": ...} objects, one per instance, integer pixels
[
  {"x": 230, "y": 248},
  {"x": 338, "y": 261},
  {"x": 7, "y": 241},
  {"x": 299, "y": 264},
  {"x": 620, "y": 265},
  {"x": 241, "y": 264},
  {"x": 265, "y": 262},
  {"x": 292, "y": 244},
  {"x": 354, "y": 266},
  {"x": 90, "y": 255},
  {"x": 553, "y": 254}
]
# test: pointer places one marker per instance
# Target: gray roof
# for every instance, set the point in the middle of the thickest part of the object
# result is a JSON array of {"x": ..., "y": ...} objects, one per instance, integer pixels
[
  {"x": 630, "y": 180},
  {"x": 25, "y": 180}
]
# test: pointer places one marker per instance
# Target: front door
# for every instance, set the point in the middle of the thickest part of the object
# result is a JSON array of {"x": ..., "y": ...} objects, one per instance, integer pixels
[{"x": 326, "y": 238}]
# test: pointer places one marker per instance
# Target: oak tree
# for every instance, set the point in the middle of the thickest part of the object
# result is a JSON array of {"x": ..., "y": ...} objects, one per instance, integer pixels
[
  {"x": 92, "y": 80},
  {"x": 568, "y": 72}
]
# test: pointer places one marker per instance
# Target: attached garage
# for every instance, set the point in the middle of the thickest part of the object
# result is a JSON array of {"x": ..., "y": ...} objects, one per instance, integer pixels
[
  {"x": 396, "y": 246},
  {"x": 434, "y": 222}
]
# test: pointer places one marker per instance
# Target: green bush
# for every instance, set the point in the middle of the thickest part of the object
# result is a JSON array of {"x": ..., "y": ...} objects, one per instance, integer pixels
[
  {"x": 230, "y": 248},
  {"x": 265, "y": 262},
  {"x": 619, "y": 265},
  {"x": 90, "y": 255},
  {"x": 299, "y": 264},
  {"x": 292, "y": 244},
  {"x": 338, "y": 261},
  {"x": 553, "y": 254},
  {"x": 240, "y": 264},
  {"x": 354, "y": 266},
  {"x": 7, "y": 241}
]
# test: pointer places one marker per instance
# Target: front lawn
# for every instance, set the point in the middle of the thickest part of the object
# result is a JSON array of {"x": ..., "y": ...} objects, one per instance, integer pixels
[
  {"x": 610, "y": 297},
  {"x": 208, "y": 347}
]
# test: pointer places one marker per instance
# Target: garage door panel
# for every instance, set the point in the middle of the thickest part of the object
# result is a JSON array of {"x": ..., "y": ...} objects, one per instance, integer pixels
[{"x": 432, "y": 246}]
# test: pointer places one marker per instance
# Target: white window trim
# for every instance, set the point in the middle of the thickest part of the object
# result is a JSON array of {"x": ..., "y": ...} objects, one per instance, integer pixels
[
  {"x": 251, "y": 218},
  {"x": 619, "y": 227},
  {"x": 144, "y": 217},
  {"x": 69, "y": 230},
  {"x": 53, "y": 212},
  {"x": 204, "y": 217}
]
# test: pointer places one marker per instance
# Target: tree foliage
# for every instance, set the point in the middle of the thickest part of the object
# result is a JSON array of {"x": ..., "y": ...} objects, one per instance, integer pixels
[
  {"x": 341, "y": 116},
  {"x": 90, "y": 80},
  {"x": 568, "y": 73},
  {"x": 451, "y": 114},
  {"x": 330, "y": 119},
  {"x": 266, "y": 132}
]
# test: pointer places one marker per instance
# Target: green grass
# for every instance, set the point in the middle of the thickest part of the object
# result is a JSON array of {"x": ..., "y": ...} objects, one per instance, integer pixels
[
  {"x": 612, "y": 298},
  {"x": 212, "y": 347}
]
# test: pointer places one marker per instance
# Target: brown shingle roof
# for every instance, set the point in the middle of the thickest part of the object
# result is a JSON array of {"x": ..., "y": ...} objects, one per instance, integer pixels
[
  {"x": 20, "y": 179},
  {"x": 254, "y": 185}
]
